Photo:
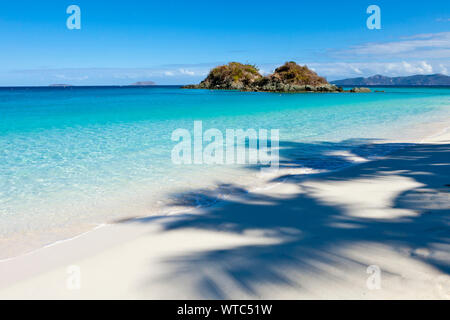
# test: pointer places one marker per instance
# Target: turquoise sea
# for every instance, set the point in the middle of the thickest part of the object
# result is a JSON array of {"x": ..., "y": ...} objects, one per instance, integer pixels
[{"x": 82, "y": 156}]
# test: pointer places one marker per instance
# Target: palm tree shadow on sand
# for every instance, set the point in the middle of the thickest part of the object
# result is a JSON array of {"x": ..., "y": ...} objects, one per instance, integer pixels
[{"x": 319, "y": 231}]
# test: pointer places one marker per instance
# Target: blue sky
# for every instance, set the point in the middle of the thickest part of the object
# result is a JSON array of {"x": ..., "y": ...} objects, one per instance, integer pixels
[{"x": 177, "y": 42}]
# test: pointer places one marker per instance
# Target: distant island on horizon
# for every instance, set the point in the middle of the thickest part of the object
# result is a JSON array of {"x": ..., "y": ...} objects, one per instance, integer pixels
[
  {"x": 143, "y": 83},
  {"x": 380, "y": 80}
]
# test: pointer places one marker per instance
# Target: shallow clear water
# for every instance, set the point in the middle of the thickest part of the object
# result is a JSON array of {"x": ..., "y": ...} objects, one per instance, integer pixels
[{"x": 69, "y": 155}]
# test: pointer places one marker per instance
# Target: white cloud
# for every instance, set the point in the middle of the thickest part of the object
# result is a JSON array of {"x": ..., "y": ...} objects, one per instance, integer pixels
[
  {"x": 264, "y": 72},
  {"x": 433, "y": 45},
  {"x": 187, "y": 72},
  {"x": 87, "y": 76},
  {"x": 341, "y": 70},
  {"x": 416, "y": 54},
  {"x": 421, "y": 68},
  {"x": 356, "y": 70}
]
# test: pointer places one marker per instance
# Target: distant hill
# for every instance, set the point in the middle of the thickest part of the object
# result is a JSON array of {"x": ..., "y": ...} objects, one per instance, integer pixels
[
  {"x": 143, "y": 83},
  {"x": 379, "y": 80}
]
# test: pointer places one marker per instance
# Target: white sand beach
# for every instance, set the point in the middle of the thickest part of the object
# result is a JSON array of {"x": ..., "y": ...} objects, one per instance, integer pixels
[{"x": 301, "y": 237}]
